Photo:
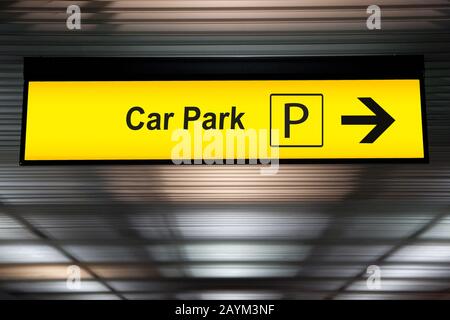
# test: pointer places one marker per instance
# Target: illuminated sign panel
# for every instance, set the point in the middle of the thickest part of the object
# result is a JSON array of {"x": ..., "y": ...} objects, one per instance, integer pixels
[{"x": 221, "y": 113}]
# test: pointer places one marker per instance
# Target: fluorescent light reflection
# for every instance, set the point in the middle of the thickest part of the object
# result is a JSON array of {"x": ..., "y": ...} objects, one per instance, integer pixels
[
  {"x": 422, "y": 253},
  {"x": 15, "y": 253},
  {"x": 240, "y": 271},
  {"x": 230, "y": 295}
]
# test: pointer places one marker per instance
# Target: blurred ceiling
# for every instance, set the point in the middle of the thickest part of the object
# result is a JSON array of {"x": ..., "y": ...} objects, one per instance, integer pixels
[{"x": 152, "y": 232}]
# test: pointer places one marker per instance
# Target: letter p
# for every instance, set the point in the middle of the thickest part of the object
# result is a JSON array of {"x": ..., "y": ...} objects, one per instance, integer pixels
[{"x": 287, "y": 117}]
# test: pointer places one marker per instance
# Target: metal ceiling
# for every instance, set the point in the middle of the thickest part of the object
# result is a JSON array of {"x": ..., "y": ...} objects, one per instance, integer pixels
[{"x": 149, "y": 232}]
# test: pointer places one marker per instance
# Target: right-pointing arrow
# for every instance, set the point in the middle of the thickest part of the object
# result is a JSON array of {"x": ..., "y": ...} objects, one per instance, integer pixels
[{"x": 382, "y": 120}]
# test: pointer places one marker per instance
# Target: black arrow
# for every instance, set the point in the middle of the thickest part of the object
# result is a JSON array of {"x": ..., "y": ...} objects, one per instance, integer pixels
[{"x": 382, "y": 120}]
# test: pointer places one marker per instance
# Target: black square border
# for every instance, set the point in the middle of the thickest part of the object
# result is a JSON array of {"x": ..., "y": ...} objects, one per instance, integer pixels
[{"x": 296, "y": 146}]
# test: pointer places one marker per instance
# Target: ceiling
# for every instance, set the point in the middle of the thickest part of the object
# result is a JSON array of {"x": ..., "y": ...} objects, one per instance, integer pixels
[{"x": 214, "y": 232}]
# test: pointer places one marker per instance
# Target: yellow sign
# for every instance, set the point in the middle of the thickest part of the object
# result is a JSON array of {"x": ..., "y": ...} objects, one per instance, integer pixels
[{"x": 173, "y": 120}]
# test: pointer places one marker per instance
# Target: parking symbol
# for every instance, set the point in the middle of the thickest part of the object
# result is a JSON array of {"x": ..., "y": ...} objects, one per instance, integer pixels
[{"x": 298, "y": 119}]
